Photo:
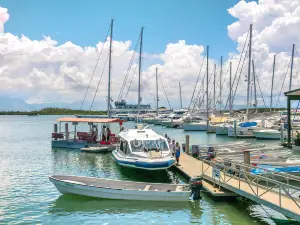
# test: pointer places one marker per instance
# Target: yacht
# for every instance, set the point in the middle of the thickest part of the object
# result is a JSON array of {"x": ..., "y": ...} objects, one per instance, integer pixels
[{"x": 143, "y": 148}]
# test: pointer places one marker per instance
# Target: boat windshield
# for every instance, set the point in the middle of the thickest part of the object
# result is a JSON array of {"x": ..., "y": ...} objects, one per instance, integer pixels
[{"x": 140, "y": 146}]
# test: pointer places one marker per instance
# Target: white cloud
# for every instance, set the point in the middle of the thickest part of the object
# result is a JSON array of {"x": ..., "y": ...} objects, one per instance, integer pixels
[{"x": 43, "y": 71}]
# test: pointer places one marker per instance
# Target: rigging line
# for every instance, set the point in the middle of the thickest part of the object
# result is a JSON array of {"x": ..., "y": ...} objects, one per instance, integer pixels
[
  {"x": 164, "y": 90},
  {"x": 237, "y": 84},
  {"x": 211, "y": 75},
  {"x": 202, "y": 84},
  {"x": 129, "y": 68},
  {"x": 218, "y": 98},
  {"x": 99, "y": 56},
  {"x": 131, "y": 79},
  {"x": 238, "y": 81},
  {"x": 283, "y": 82},
  {"x": 255, "y": 75},
  {"x": 241, "y": 58},
  {"x": 197, "y": 80},
  {"x": 99, "y": 82}
]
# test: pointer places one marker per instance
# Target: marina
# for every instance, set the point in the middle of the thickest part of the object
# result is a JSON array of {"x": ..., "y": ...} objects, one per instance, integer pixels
[
  {"x": 123, "y": 132},
  {"x": 75, "y": 162}
]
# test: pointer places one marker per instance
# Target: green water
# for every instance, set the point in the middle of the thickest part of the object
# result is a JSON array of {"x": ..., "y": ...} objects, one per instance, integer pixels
[{"x": 27, "y": 197}]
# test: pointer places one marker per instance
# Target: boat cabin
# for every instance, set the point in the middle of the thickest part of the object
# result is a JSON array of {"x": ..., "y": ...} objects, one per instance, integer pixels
[{"x": 97, "y": 133}]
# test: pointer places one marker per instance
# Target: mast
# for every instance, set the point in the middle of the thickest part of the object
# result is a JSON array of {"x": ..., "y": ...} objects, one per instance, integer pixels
[
  {"x": 207, "y": 55},
  {"x": 156, "y": 93},
  {"x": 109, "y": 68},
  {"x": 292, "y": 64},
  {"x": 180, "y": 96},
  {"x": 221, "y": 82},
  {"x": 271, "y": 102},
  {"x": 230, "y": 91},
  {"x": 254, "y": 83},
  {"x": 140, "y": 69},
  {"x": 249, "y": 73},
  {"x": 214, "y": 88}
]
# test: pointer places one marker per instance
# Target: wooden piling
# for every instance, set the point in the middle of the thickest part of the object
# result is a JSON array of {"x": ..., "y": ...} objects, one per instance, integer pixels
[
  {"x": 187, "y": 144},
  {"x": 247, "y": 159},
  {"x": 67, "y": 130}
]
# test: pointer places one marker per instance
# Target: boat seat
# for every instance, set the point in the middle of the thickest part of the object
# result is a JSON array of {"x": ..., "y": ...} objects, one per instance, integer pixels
[{"x": 147, "y": 188}]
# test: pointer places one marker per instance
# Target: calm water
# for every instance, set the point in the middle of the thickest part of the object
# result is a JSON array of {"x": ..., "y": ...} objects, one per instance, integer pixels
[{"x": 27, "y": 197}]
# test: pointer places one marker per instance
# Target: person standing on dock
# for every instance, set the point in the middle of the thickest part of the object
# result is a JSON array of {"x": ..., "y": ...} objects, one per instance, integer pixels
[{"x": 177, "y": 153}]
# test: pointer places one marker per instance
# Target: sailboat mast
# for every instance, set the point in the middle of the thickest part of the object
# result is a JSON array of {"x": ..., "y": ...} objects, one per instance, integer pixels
[
  {"x": 254, "y": 83},
  {"x": 180, "y": 96},
  {"x": 221, "y": 82},
  {"x": 249, "y": 73},
  {"x": 140, "y": 69},
  {"x": 271, "y": 101},
  {"x": 207, "y": 55},
  {"x": 292, "y": 65},
  {"x": 156, "y": 93},
  {"x": 109, "y": 68},
  {"x": 214, "y": 106},
  {"x": 230, "y": 90}
]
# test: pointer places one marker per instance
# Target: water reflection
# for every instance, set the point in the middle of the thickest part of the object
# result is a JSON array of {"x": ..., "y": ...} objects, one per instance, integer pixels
[{"x": 76, "y": 203}]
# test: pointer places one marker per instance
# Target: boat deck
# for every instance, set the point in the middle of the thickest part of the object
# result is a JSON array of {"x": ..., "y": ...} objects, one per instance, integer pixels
[{"x": 119, "y": 184}]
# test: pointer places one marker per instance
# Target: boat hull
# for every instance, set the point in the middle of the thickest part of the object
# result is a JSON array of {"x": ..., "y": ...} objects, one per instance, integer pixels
[
  {"x": 267, "y": 135},
  {"x": 194, "y": 127},
  {"x": 122, "y": 194},
  {"x": 221, "y": 131},
  {"x": 144, "y": 164}
]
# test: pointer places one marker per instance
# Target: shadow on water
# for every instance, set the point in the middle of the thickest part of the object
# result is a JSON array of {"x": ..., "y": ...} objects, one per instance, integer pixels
[{"x": 76, "y": 203}]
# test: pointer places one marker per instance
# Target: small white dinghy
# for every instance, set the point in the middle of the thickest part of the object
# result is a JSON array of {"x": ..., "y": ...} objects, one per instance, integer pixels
[{"x": 126, "y": 190}]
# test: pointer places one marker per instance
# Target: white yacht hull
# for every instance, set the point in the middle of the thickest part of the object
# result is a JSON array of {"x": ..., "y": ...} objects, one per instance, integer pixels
[
  {"x": 123, "y": 193},
  {"x": 194, "y": 127},
  {"x": 144, "y": 163},
  {"x": 241, "y": 131},
  {"x": 265, "y": 134}
]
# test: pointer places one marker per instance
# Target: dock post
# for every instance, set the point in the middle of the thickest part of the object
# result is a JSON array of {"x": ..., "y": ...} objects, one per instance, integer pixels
[
  {"x": 263, "y": 123},
  {"x": 234, "y": 128},
  {"x": 247, "y": 159},
  {"x": 187, "y": 144},
  {"x": 282, "y": 133},
  {"x": 67, "y": 130},
  {"x": 55, "y": 130}
]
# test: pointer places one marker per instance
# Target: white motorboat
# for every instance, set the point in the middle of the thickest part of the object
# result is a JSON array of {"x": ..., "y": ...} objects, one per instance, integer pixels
[
  {"x": 244, "y": 129},
  {"x": 143, "y": 148},
  {"x": 117, "y": 189},
  {"x": 267, "y": 134}
]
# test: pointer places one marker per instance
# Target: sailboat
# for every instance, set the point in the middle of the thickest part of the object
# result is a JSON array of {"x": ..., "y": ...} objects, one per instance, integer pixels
[{"x": 141, "y": 147}]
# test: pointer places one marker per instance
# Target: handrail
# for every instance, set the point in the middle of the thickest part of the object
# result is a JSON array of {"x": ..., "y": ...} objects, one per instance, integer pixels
[
  {"x": 280, "y": 174},
  {"x": 211, "y": 163}
]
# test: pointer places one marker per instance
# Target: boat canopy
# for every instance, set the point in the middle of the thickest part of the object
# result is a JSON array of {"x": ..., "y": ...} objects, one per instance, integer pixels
[
  {"x": 248, "y": 124},
  {"x": 90, "y": 120}
]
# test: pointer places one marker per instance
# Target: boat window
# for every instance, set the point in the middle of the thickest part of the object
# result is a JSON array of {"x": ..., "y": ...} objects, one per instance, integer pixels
[
  {"x": 126, "y": 148},
  {"x": 136, "y": 145},
  {"x": 162, "y": 145},
  {"x": 122, "y": 146},
  {"x": 139, "y": 146}
]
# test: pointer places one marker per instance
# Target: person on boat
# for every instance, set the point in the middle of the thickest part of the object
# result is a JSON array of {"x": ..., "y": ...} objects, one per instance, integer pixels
[
  {"x": 177, "y": 153},
  {"x": 172, "y": 147},
  {"x": 108, "y": 134},
  {"x": 168, "y": 138}
]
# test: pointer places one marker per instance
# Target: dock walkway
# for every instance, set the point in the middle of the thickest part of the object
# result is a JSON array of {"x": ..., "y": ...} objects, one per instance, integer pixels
[{"x": 276, "y": 195}]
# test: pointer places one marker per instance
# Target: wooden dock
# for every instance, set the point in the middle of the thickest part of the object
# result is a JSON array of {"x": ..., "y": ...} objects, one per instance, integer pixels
[{"x": 278, "y": 198}]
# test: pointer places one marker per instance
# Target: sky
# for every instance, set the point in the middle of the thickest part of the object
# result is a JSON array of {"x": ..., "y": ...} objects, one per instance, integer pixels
[
  {"x": 49, "y": 49},
  {"x": 86, "y": 22}
]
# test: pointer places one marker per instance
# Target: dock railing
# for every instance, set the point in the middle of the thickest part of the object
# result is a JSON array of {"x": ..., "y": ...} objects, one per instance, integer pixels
[{"x": 278, "y": 195}]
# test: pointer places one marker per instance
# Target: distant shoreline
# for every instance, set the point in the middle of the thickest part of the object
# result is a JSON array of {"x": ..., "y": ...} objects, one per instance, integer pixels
[
  {"x": 66, "y": 111},
  {"x": 53, "y": 111}
]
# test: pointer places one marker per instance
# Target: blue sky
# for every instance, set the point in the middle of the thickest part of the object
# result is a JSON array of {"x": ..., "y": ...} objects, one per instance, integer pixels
[{"x": 85, "y": 22}]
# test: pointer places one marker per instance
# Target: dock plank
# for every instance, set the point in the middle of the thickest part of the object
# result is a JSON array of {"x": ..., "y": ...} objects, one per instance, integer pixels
[{"x": 193, "y": 167}]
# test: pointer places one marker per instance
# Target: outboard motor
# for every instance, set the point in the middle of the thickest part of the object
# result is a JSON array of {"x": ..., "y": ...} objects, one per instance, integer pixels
[{"x": 196, "y": 186}]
